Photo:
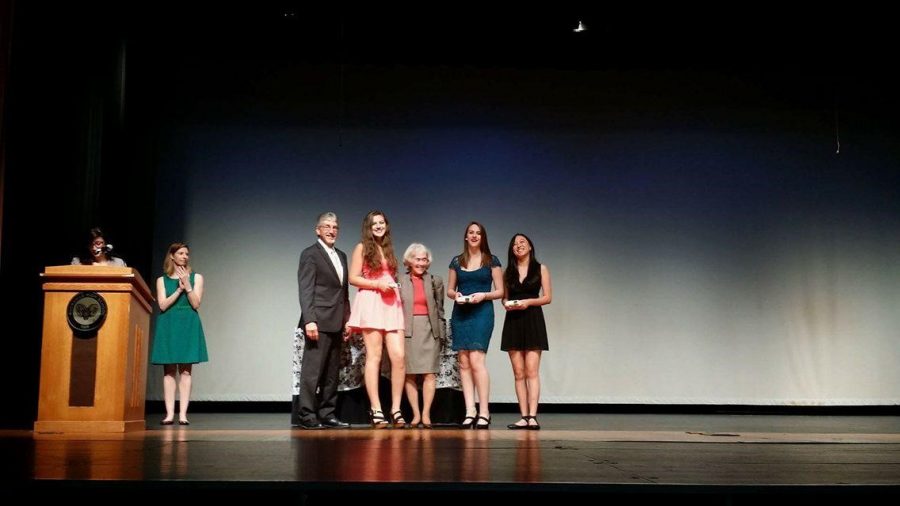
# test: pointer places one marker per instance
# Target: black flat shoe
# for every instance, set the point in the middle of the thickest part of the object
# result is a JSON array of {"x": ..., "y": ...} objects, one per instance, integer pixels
[
  {"x": 513, "y": 426},
  {"x": 482, "y": 425},
  {"x": 166, "y": 422},
  {"x": 536, "y": 425},
  {"x": 183, "y": 422}
]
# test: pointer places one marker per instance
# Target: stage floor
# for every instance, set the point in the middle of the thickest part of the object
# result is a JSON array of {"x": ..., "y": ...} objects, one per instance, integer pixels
[{"x": 708, "y": 455}]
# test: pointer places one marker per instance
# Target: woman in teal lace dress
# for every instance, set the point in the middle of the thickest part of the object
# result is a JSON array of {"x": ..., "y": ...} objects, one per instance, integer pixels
[
  {"x": 475, "y": 279},
  {"x": 178, "y": 342}
]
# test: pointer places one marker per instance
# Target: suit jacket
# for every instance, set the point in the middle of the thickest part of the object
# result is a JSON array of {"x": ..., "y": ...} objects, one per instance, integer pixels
[
  {"x": 434, "y": 299},
  {"x": 324, "y": 298}
]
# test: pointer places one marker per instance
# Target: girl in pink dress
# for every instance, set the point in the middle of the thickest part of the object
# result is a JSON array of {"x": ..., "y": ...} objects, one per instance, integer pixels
[{"x": 378, "y": 313}]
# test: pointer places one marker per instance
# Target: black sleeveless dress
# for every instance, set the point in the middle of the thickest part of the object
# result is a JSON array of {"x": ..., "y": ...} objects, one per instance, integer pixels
[{"x": 525, "y": 329}]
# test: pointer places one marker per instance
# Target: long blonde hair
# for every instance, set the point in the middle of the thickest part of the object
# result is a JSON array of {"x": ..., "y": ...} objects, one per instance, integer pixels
[{"x": 168, "y": 264}]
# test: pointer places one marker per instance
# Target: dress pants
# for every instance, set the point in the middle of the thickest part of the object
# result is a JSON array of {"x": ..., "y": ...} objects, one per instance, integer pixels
[{"x": 319, "y": 377}]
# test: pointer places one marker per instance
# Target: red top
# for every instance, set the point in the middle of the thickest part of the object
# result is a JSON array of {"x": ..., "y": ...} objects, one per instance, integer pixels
[{"x": 420, "y": 307}]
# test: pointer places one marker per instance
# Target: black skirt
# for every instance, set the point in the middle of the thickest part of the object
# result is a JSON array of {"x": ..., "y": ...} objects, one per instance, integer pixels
[{"x": 524, "y": 330}]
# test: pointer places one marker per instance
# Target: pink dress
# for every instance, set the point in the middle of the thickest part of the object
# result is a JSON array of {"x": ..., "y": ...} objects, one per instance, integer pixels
[{"x": 373, "y": 309}]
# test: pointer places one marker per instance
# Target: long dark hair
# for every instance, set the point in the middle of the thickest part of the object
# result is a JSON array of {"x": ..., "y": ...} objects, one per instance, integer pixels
[
  {"x": 485, "y": 249},
  {"x": 511, "y": 276},
  {"x": 87, "y": 255},
  {"x": 370, "y": 247}
]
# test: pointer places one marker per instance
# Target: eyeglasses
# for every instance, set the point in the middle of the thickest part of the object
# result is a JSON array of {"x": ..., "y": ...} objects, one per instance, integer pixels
[{"x": 329, "y": 227}]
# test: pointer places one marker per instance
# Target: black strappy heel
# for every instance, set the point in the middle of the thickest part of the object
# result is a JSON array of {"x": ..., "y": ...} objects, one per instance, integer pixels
[
  {"x": 468, "y": 422},
  {"x": 376, "y": 416},
  {"x": 397, "y": 419}
]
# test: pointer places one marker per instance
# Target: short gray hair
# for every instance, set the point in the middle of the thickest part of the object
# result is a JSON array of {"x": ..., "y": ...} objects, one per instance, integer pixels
[
  {"x": 326, "y": 216},
  {"x": 412, "y": 250}
]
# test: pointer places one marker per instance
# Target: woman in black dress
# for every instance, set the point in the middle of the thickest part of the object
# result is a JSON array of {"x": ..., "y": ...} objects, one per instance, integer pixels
[{"x": 528, "y": 288}]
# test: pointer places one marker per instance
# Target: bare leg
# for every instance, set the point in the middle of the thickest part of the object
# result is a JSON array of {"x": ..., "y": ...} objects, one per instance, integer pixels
[
  {"x": 482, "y": 383},
  {"x": 429, "y": 385},
  {"x": 396, "y": 347},
  {"x": 374, "y": 340},
  {"x": 468, "y": 386},
  {"x": 184, "y": 391},
  {"x": 169, "y": 385},
  {"x": 533, "y": 381},
  {"x": 517, "y": 359},
  {"x": 412, "y": 395}
]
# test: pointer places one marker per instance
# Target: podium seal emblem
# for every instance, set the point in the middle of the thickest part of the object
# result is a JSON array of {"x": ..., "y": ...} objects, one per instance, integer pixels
[{"x": 86, "y": 312}]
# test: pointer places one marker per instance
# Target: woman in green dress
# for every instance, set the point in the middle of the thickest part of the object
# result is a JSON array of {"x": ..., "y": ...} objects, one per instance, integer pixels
[{"x": 178, "y": 342}]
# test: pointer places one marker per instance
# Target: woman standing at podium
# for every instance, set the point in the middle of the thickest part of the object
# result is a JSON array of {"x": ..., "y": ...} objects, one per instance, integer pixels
[
  {"x": 97, "y": 252},
  {"x": 178, "y": 342}
]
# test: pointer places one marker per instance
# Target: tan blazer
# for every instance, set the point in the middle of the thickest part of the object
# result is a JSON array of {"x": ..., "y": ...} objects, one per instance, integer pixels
[{"x": 434, "y": 298}]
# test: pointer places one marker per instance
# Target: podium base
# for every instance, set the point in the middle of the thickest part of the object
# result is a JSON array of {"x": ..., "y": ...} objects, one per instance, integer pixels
[{"x": 69, "y": 426}]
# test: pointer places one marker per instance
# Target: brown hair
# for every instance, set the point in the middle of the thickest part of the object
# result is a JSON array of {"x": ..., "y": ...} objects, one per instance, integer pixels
[
  {"x": 485, "y": 249},
  {"x": 168, "y": 264},
  {"x": 370, "y": 247}
]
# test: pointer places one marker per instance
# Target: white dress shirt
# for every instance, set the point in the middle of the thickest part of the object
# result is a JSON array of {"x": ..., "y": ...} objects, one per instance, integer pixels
[{"x": 335, "y": 260}]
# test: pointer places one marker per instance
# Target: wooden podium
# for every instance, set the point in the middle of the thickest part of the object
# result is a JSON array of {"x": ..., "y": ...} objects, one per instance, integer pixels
[{"x": 94, "y": 381}]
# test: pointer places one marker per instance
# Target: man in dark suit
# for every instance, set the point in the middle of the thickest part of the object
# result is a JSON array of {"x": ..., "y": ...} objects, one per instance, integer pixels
[{"x": 325, "y": 310}]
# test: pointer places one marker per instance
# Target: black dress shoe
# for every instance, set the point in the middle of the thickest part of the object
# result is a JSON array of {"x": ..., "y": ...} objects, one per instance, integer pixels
[
  {"x": 310, "y": 425},
  {"x": 334, "y": 423}
]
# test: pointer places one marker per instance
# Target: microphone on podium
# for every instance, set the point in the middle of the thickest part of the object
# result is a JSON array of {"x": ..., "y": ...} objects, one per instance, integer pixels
[{"x": 106, "y": 249}]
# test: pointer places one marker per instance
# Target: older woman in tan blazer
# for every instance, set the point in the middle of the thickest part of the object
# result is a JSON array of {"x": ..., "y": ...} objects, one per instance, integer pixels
[{"x": 423, "y": 311}]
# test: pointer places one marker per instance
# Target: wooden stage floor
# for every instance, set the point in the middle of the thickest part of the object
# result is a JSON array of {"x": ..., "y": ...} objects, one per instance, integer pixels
[{"x": 698, "y": 459}]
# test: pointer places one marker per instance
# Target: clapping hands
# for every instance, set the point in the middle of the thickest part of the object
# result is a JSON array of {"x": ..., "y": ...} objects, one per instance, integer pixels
[{"x": 184, "y": 278}]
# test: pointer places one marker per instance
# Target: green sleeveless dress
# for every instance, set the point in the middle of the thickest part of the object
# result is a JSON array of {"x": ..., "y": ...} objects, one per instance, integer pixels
[{"x": 178, "y": 338}]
